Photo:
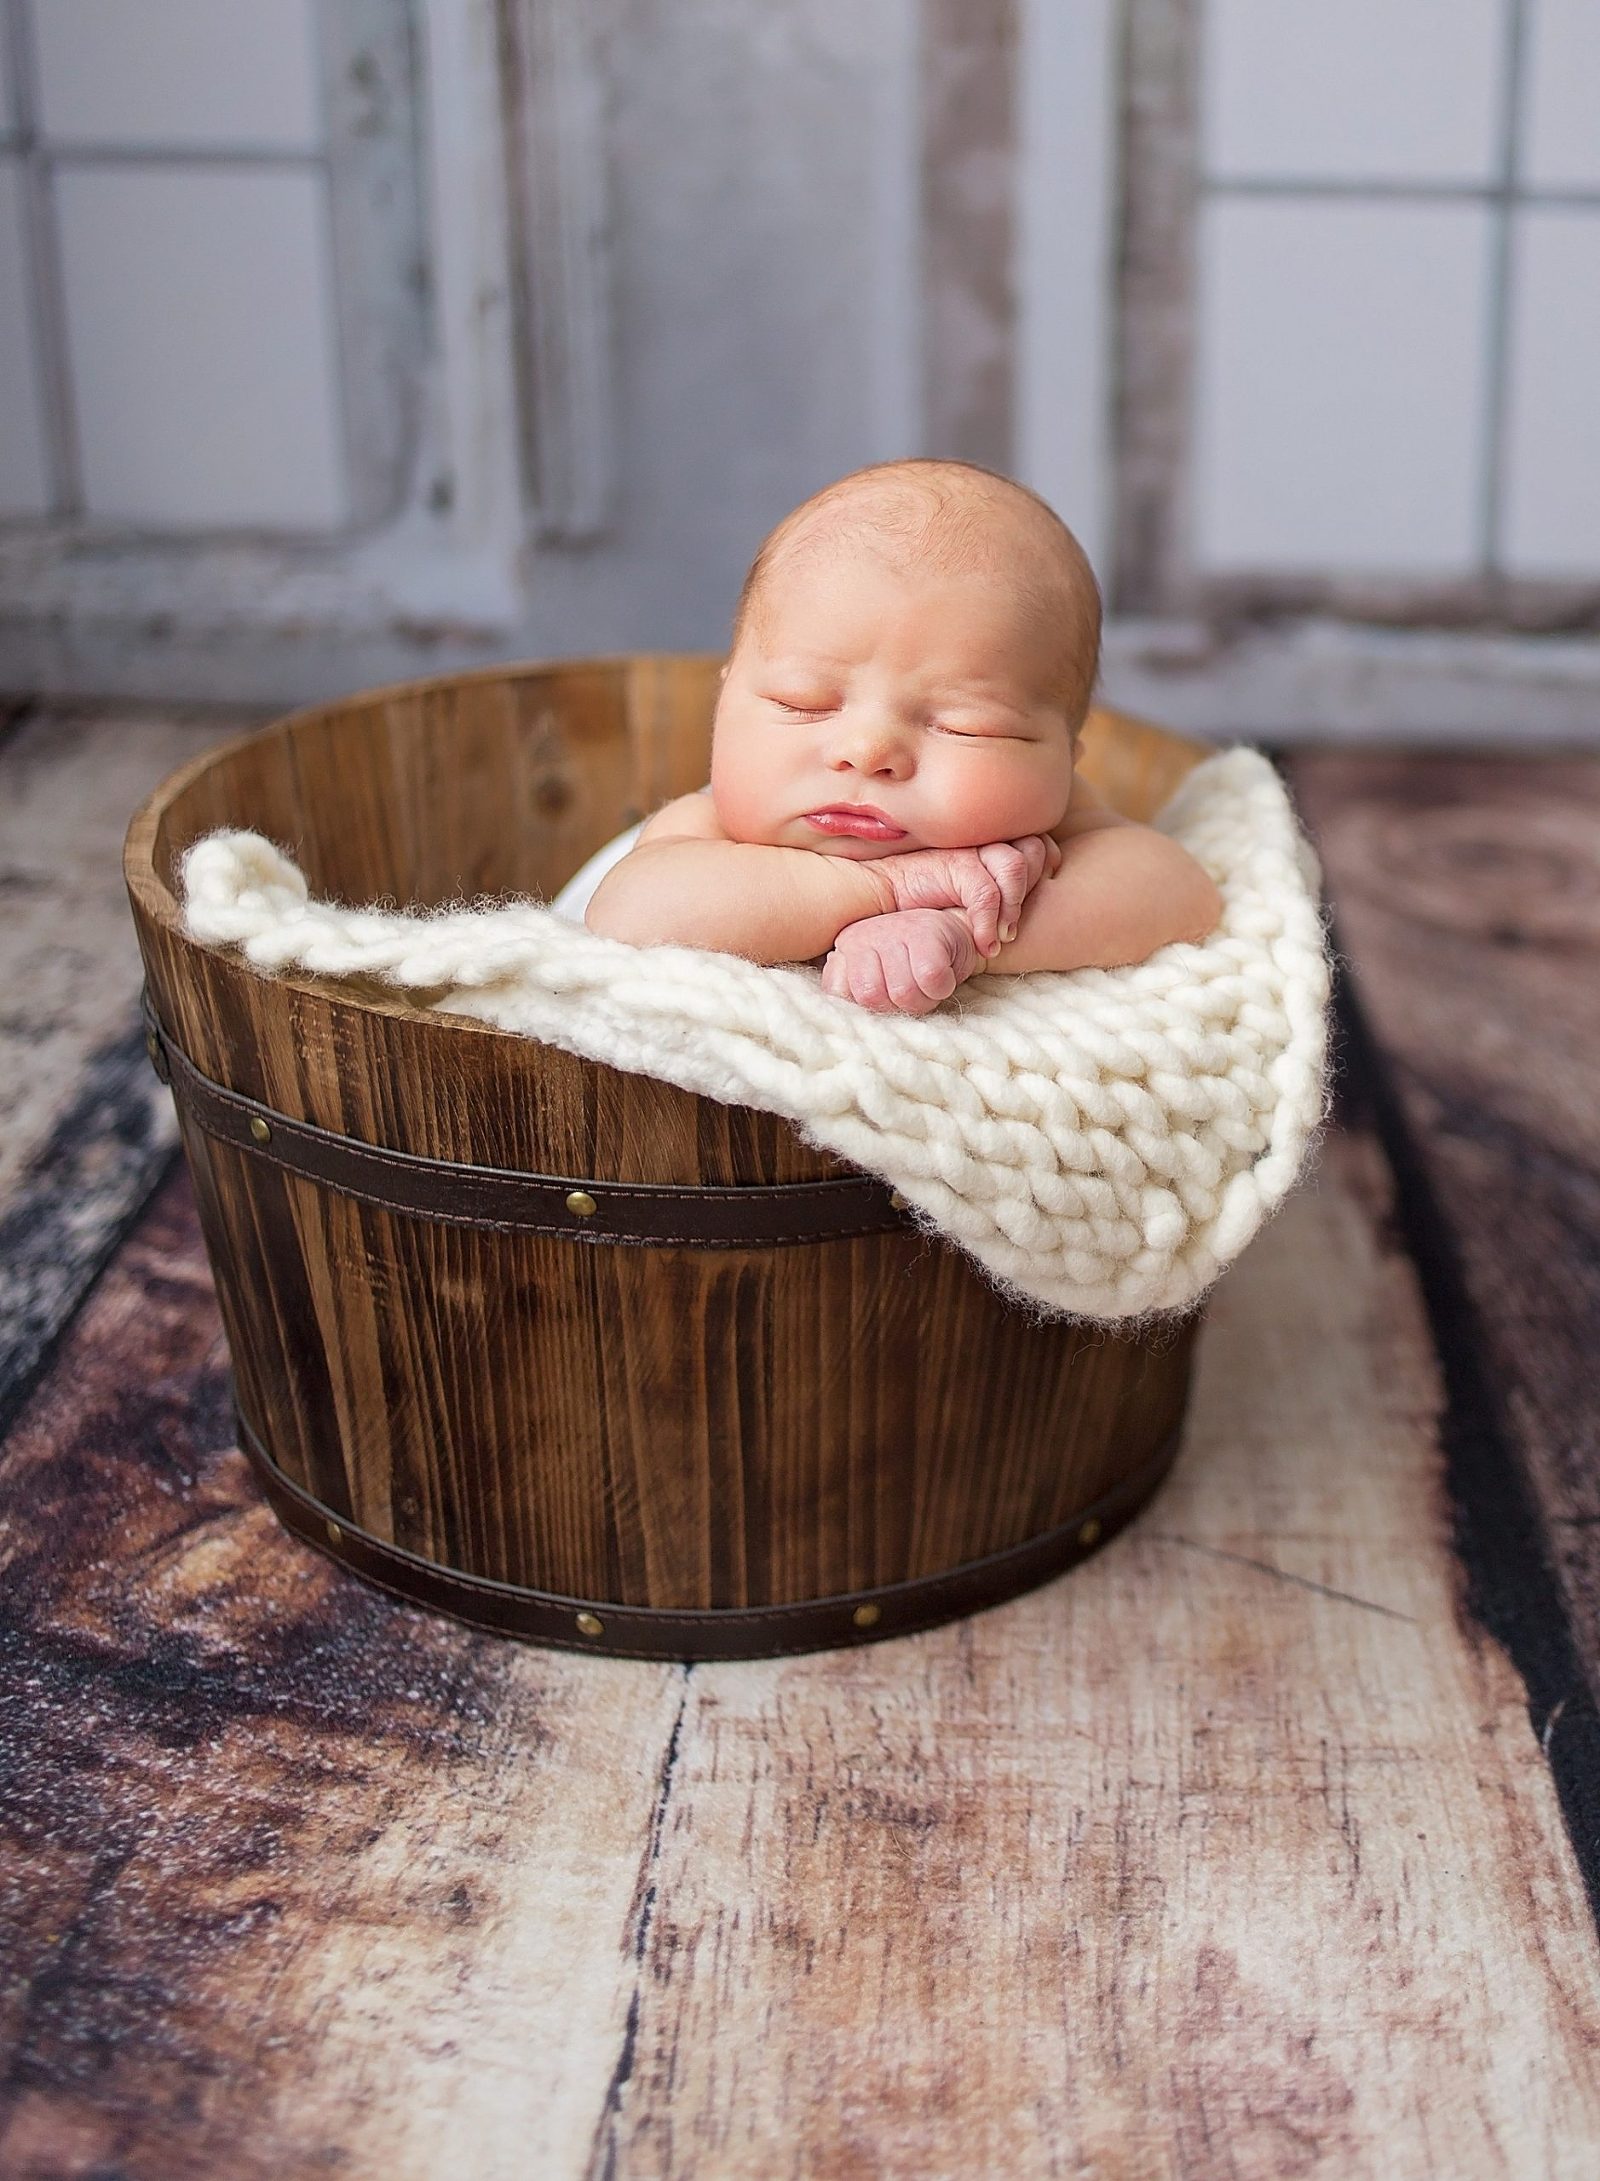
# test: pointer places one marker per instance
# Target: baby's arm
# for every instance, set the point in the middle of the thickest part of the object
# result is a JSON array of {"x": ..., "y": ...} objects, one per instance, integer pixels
[
  {"x": 1123, "y": 890},
  {"x": 685, "y": 883},
  {"x": 734, "y": 897}
]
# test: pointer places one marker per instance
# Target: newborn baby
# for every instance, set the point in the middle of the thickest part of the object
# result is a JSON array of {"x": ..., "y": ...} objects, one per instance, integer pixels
[{"x": 892, "y": 761}]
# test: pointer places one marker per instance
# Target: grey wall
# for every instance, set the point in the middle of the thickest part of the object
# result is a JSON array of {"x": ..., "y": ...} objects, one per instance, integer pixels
[{"x": 457, "y": 330}]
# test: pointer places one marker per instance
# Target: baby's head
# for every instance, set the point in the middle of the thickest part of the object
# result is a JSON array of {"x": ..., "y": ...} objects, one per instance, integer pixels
[{"x": 921, "y": 638}]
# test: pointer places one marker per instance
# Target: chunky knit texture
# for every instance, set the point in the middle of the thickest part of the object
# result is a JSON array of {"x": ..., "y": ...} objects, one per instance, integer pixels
[{"x": 1102, "y": 1142}]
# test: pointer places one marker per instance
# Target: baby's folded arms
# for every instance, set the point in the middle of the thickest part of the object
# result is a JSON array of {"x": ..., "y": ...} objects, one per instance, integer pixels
[{"x": 900, "y": 933}]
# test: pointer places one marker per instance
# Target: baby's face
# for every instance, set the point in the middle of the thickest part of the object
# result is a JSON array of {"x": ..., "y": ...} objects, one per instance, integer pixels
[{"x": 931, "y": 698}]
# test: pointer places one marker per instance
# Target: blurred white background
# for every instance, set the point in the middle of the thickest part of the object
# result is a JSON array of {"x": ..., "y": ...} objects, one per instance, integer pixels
[{"x": 346, "y": 340}]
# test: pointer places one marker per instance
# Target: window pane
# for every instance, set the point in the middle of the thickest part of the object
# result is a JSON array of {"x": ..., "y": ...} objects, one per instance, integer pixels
[
  {"x": 8, "y": 117},
  {"x": 1561, "y": 103},
  {"x": 178, "y": 72},
  {"x": 1365, "y": 90},
  {"x": 1553, "y": 481},
  {"x": 198, "y": 308},
  {"x": 24, "y": 479},
  {"x": 1340, "y": 385}
]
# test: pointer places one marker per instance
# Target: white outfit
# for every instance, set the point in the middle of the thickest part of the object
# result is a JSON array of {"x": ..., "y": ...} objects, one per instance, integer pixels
[{"x": 579, "y": 890}]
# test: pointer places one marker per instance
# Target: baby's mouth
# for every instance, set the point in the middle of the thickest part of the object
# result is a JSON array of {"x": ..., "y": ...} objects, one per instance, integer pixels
[{"x": 855, "y": 821}]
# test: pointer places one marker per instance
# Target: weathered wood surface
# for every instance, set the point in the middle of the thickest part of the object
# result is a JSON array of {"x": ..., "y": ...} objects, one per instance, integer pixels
[
  {"x": 1235, "y": 1853},
  {"x": 1467, "y": 896},
  {"x": 85, "y": 1129},
  {"x": 68, "y": 957}
]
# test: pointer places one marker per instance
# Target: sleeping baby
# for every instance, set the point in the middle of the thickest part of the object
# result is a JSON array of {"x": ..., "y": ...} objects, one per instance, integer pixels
[{"x": 892, "y": 786}]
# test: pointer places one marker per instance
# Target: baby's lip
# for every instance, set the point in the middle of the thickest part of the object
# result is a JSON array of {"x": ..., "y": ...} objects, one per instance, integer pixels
[{"x": 864, "y": 819}]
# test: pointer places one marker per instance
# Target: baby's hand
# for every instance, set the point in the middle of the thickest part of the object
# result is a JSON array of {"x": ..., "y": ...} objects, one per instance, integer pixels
[
  {"x": 990, "y": 883},
  {"x": 909, "y": 960}
]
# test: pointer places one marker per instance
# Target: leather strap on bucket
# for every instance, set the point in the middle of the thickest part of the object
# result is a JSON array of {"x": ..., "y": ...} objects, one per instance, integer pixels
[
  {"x": 628, "y": 1631},
  {"x": 760, "y": 1216}
]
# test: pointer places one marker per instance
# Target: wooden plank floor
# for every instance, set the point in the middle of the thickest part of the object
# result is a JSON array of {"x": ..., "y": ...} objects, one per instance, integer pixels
[
  {"x": 84, "y": 1126},
  {"x": 1263, "y": 1844},
  {"x": 1468, "y": 899}
]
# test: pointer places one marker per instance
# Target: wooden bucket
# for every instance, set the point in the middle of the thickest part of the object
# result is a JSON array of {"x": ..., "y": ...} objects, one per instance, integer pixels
[{"x": 570, "y": 1353}]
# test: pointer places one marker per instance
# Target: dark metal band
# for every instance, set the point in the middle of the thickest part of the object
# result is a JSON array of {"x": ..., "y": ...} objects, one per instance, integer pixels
[
  {"x": 624, "y": 1631},
  {"x": 760, "y": 1216}
]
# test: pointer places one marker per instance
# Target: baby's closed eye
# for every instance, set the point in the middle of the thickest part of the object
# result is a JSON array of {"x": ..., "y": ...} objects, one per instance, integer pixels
[{"x": 958, "y": 726}]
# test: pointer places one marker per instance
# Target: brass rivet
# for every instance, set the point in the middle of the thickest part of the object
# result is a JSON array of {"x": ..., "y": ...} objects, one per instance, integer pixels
[
  {"x": 580, "y": 1201},
  {"x": 150, "y": 1046},
  {"x": 1089, "y": 1532},
  {"x": 335, "y": 1534},
  {"x": 867, "y": 1616},
  {"x": 590, "y": 1624},
  {"x": 259, "y": 1129},
  {"x": 898, "y": 1201}
]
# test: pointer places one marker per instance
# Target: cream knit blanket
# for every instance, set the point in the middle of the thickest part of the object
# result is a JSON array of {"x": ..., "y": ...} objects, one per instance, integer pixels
[{"x": 1102, "y": 1142}]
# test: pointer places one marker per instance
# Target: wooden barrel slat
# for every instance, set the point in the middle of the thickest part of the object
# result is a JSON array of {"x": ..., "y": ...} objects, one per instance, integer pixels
[{"x": 754, "y": 1435}]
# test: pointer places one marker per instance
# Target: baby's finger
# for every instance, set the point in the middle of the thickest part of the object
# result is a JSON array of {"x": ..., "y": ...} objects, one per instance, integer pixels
[
  {"x": 1041, "y": 853},
  {"x": 1034, "y": 849},
  {"x": 980, "y": 894},
  {"x": 867, "y": 987},
  {"x": 1009, "y": 866},
  {"x": 933, "y": 969},
  {"x": 904, "y": 988}
]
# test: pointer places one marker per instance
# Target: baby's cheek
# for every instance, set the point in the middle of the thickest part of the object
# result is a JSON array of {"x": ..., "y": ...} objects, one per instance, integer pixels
[
  {"x": 1011, "y": 797},
  {"x": 741, "y": 806}
]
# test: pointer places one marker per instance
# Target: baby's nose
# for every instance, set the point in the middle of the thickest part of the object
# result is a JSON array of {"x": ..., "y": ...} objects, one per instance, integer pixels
[{"x": 870, "y": 741}]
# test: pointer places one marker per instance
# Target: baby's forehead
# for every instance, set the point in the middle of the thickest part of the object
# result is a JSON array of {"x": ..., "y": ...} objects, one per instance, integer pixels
[
  {"x": 797, "y": 608},
  {"x": 967, "y": 526},
  {"x": 970, "y": 529}
]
